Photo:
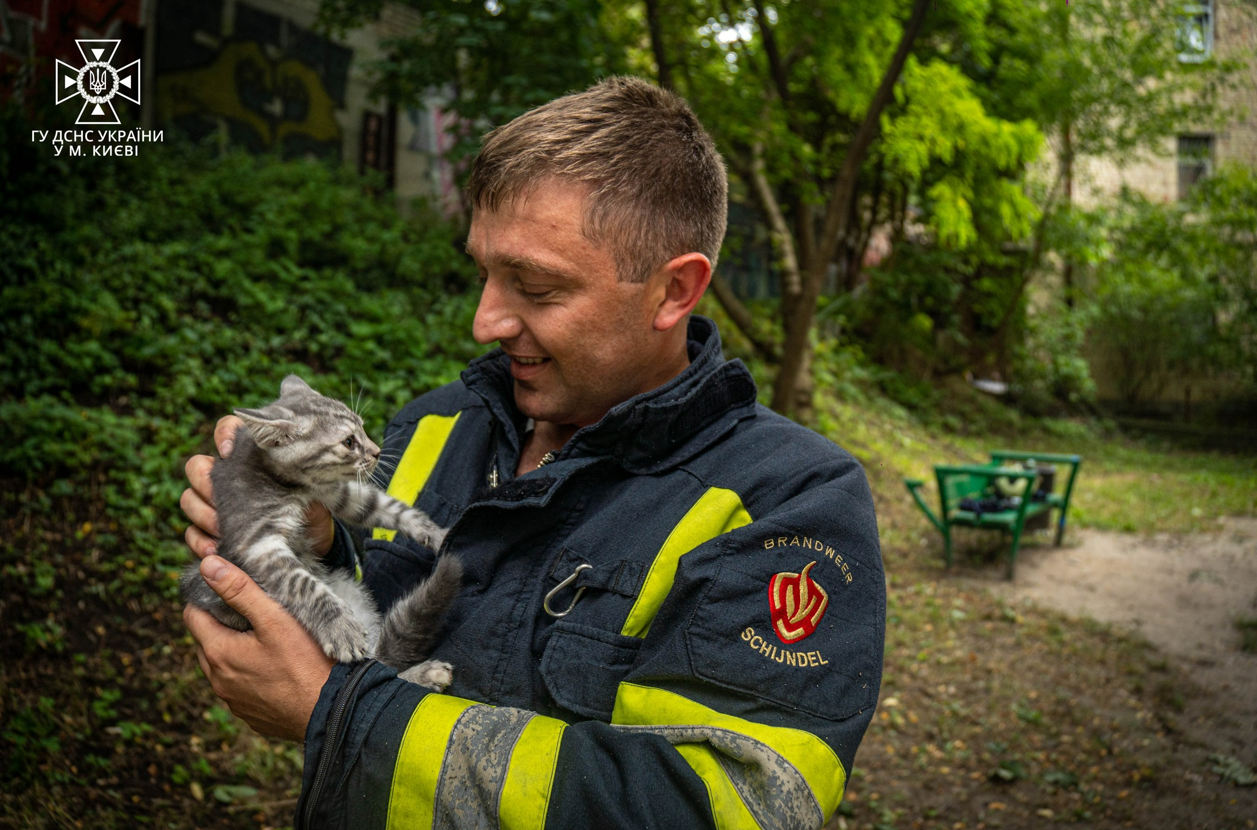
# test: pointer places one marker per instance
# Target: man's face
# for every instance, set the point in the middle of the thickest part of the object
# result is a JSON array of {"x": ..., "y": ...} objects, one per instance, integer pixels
[{"x": 580, "y": 341}]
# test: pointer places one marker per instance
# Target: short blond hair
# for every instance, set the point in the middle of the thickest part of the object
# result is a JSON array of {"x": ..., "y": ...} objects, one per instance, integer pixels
[{"x": 657, "y": 185}]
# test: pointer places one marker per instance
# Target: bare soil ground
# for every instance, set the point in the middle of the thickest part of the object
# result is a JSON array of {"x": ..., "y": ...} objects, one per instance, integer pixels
[{"x": 1183, "y": 593}]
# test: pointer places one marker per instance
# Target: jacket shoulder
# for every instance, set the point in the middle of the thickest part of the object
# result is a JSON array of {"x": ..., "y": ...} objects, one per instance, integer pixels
[
  {"x": 772, "y": 448},
  {"x": 446, "y": 400}
]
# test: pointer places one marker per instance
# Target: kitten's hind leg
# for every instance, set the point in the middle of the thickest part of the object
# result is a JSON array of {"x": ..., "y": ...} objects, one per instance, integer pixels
[
  {"x": 431, "y": 674},
  {"x": 364, "y": 505},
  {"x": 411, "y": 627},
  {"x": 327, "y": 617}
]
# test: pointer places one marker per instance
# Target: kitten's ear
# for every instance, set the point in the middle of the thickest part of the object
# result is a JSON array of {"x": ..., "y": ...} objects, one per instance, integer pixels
[
  {"x": 294, "y": 385},
  {"x": 271, "y": 425}
]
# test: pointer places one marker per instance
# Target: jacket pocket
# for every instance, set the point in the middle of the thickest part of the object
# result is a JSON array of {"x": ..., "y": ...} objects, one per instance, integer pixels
[{"x": 582, "y": 668}]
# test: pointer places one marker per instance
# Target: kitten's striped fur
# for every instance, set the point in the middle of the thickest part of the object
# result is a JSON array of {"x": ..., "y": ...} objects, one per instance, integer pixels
[{"x": 302, "y": 448}]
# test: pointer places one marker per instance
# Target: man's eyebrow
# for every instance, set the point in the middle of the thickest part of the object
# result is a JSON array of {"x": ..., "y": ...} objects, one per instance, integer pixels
[{"x": 520, "y": 262}]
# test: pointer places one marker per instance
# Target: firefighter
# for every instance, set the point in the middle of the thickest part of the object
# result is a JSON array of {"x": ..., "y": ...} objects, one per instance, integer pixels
[{"x": 673, "y": 605}]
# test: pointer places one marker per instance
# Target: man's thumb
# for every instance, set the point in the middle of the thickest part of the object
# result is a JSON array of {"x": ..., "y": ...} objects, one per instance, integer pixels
[{"x": 236, "y": 589}]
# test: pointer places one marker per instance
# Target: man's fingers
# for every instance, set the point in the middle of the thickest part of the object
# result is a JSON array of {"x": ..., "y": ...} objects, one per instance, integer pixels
[
  {"x": 202, "y": 544},
  {"x": 205, "y": 667},
  {"x": 204, "y": 629},
  {"x": 239, "y": 591},
  {"x": 225, "y": 434},
  {"x": 319, "y": 528},
  {"x": 201, "y": 512},
  {"x": 198, "y": 471}
]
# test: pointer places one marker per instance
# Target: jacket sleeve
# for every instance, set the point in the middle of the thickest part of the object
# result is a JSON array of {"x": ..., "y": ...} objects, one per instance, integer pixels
[{"x": 739, "y": 708}]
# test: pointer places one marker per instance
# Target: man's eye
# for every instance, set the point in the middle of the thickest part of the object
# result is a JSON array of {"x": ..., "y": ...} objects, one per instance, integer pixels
[{"x": 349, "y": 442}]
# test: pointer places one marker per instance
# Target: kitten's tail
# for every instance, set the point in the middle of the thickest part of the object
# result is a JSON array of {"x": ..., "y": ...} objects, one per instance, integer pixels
[{"x": 410, "y": 630}]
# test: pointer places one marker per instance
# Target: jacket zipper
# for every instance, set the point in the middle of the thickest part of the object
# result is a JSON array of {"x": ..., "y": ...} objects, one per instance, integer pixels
[{"x": 332, "y": 738}]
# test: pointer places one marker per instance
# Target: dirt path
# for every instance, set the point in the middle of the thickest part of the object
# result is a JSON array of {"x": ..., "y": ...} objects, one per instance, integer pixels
[{"x": 1182, "y": 593}]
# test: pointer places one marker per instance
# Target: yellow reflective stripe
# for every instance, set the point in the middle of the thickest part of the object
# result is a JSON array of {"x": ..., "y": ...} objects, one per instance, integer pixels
[
  {"x": 726, "y": 805},
  {"x": 418, "y": 461},
  {"x": 717, "y": 511},
  {"x": 644, "y": 706},
  {"x": 419, "y": 760},
  {"x": 526, "y": 792}
]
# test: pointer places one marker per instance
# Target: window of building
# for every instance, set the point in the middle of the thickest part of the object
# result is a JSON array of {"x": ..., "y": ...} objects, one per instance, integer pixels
[
  {"x": 1195, "y": 31},
  {"x": 1195, "y": 160}
]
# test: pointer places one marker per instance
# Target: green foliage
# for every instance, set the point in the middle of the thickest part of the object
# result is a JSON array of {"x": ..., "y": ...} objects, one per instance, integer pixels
[
  {"x": 1233, "y": 770},
  {"x": 142, "y": 301},
  {"x": 1247, "y": 627},
  {"x": 494, "y": 60},
  {"x": 965, "y": 161},
  {"x": 1173, "y": 285},
  {"x": 1049, "y": 365},
  {"x": 33, "y": 737}
]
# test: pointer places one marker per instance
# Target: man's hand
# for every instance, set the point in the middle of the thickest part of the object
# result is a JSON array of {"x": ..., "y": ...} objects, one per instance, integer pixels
[
  {"x": 198, "y": 500},
  {"x": 269, "y": 677}
]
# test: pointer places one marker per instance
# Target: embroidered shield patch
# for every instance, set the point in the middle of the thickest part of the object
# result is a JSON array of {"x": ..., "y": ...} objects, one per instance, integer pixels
[{"x": 796, "y": 603}]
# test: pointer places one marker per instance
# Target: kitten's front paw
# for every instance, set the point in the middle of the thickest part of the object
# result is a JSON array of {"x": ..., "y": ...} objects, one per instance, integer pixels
[
  {"x": 432, "y": 674},
  {"x": 422, "y": 529},
  {"x": 345, "y": 641}
]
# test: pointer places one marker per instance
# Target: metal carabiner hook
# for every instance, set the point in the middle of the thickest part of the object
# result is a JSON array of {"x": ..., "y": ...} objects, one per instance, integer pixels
[{"x": 546, "y": 603}]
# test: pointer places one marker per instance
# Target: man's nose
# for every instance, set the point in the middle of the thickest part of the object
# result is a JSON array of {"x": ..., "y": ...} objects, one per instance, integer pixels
[{"x": 495, "y": 319}]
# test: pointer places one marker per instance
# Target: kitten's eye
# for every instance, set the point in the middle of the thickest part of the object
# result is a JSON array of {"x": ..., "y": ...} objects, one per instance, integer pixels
[{"x": 349, "y": 442}]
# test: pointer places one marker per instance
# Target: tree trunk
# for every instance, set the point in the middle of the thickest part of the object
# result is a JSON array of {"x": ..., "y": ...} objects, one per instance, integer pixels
[
  {"x": 741, "y": 317},
  {"x": 798, "y": 319},
  {"x": 1067, "y": 171},
  {"x": 655, "y": 24}
]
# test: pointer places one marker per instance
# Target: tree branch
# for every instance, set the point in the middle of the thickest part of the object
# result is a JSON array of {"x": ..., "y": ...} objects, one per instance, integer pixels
[
  {"x": 775, "y": 66},
  {"x": 844, "y": 188},
  {"x": 798, "y": 321},
  {"x": 792, "y": 284},
  {"x": 655, "y": 24},
  {"x": 742, "y": 318}
]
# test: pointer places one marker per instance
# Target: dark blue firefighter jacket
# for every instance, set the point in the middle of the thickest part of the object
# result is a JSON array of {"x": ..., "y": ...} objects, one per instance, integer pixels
[{"x": 723, "y": 650}]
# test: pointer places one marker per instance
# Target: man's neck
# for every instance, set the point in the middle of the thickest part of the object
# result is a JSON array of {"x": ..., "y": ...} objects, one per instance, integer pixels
[
  {"x": 544, "y": 438},
  {"x": 547, "y": 437}
]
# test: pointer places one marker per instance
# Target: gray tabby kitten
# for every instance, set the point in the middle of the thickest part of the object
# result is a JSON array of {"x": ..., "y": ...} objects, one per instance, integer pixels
[{"x": 305, "y": 447}]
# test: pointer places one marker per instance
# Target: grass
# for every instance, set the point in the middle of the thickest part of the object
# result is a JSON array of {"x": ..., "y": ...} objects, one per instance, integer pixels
[
  {"x": 1247, "y": 628},
  {"x": 1124, "y": 484}
]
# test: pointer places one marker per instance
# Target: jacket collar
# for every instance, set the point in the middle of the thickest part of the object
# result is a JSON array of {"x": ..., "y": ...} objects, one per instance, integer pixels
[{"x": 649, "y": 432}]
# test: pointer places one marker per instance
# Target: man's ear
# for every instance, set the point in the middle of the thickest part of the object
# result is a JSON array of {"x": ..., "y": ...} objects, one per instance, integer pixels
[
  {"x": 271, "y": 425},
  {"x": 687, "y": 278}
]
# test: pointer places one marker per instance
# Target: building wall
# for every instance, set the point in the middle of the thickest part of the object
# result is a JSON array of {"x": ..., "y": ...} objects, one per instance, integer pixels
[
  {"x": 250, "y": 73},
  {"x": 1157, "y": 175}
]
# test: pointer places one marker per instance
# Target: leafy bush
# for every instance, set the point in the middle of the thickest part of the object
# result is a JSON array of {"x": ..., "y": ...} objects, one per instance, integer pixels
[
  {"x": 143, "y": 300},
  {"x": 1049, "y": 366},
  {"x": 1174, "y": 286}
]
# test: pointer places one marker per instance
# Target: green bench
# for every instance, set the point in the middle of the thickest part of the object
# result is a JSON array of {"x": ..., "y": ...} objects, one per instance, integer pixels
[{"x": 976, "y": 481}]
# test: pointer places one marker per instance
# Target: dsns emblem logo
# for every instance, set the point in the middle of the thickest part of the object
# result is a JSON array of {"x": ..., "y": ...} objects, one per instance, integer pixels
[
  {"x": 98, "y": 82},
  {"x": 797, "y": 604}
]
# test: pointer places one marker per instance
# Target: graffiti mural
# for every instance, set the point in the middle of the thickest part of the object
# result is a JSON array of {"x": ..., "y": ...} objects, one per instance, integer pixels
[
  {"x": 35, "y": 33},
  {"x": 270, "y": 84}
]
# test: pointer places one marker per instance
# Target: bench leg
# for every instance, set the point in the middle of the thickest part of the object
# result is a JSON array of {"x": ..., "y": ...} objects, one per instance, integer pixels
[
  {"x": 1060, "y": 529},
  {"x": 1012, "y": 553}
]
